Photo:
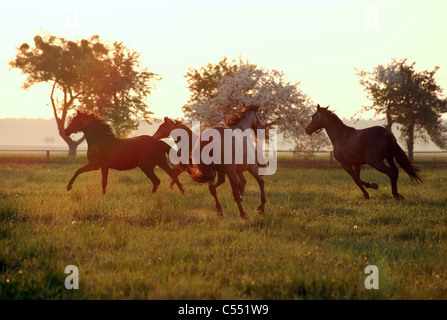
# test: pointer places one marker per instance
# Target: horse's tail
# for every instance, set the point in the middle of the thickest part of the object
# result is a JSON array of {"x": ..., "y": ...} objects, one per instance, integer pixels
[
  {"x": 409, "y": 167},
  {"x": 203, "y": 173},
  {"x": 165, "y": 148},
  {"x": 262, "y": 165}
]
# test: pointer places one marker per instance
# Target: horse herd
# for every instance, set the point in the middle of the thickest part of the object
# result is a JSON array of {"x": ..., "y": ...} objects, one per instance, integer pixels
[{"x": 352, "y": 148}]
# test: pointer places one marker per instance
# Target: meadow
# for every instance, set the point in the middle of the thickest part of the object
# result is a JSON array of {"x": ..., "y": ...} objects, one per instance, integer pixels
[{"x": 313, "y": 242}]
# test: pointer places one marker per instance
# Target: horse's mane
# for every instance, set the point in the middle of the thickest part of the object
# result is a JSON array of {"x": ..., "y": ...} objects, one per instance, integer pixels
[
  {"x": 99, "y": 123},
  {"x": 182, "y": 125},
  {"x": 234, "y": 118},
  {"x": 332, "y": 115}
]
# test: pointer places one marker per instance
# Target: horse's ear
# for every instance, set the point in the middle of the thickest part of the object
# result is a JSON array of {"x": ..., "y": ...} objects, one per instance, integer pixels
[
  {"x": 243, "y": 105},
  {"x": 318, "y": 107},
  {"x": 257, "y": 106},
  {"x": 327, "y": 107},
  {"x": 77, "y": 112},
  {"x": 166, "y": 119}
]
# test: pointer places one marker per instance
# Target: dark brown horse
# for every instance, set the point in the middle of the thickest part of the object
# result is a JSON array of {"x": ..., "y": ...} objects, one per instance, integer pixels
[
  {"x": 164, "y": 131},
  {"x": 247, "y": 118},
  {"x": 105, "y": 151},
  {"x": 354, "y": 148}
]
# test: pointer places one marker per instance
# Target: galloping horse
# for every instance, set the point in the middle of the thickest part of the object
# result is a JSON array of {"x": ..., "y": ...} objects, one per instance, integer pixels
[
  {"x": 354, "y": 148},
  {"x": 247, "y": 118},
  {"x": 107, "y": 151},
  {"x": 164, "y": 131}
]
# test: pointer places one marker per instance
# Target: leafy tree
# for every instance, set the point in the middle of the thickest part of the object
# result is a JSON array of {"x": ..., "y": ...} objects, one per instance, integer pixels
[
  {"x": 413, "y": 100},
  {"x": 121, "y": 94},
  {"x": 86, "y": 74},
  {"x": 217, "y": 90}
]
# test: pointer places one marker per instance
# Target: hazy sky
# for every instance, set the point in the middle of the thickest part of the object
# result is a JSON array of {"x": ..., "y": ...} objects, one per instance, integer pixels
[{"x": 317, "y": 43}]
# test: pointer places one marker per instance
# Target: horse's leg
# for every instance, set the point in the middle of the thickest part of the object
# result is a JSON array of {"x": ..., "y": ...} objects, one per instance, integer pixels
[
  {"x": 163, "y": 164},
  {"x": 105, "y": 174},
  {"x": 177, "y": 169},
  {"x": 242, "y": 183},
  {"x": 391, "y": 173},
  {"x": 91, "y": 166},
  {"x": 149, "y": 172},
  {"x": 234, "y": 180},
  {"x": 395, "y": 172},
  {"x": 354, "y": 176},
  {"x": 241, "y": 186},
  {"x": 365, "y": 184},
  {"x": 253, "y": 170},
  {"x": 220, "y": 179},
  {"x": 212, "y": 189}
]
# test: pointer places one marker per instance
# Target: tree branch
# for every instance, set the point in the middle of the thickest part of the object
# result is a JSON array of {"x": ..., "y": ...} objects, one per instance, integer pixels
[
  {"x": 80, "y": 141},
  {"x": 52, "y": 102}
]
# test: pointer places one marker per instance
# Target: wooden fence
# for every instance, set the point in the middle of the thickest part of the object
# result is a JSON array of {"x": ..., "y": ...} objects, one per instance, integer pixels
[{"x": 284, "y": 156}]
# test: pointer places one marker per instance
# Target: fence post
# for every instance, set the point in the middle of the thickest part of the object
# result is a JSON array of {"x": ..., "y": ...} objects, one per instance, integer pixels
[
  {"x": 330, "y": 159},
  {"x": 48, "y": 156}
]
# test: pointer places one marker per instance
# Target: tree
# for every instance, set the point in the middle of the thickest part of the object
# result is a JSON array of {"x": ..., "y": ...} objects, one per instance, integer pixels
[
  {"x": 81, "y": 75},
  {"x": 217, "y": 90},
  {"x": 121, "y": 95},
  {"x": 411, "y": 99}
]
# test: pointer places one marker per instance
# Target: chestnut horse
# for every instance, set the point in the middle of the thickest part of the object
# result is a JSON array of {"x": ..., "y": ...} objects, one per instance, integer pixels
[{"x": 106, "y": 151}]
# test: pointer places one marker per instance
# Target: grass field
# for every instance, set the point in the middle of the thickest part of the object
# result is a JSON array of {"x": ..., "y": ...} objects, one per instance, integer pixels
[{"x": 314, "y": 241}]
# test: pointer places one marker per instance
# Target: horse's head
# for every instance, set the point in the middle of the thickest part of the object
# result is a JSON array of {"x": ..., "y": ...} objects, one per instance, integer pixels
[
  {"x": 317, "y": 123},
  {"x": 78, "y": 123},
  {"x": 251, "y": 118},
  {"x": 258, "y": 123},
  {"x": 164, "y": 130}
]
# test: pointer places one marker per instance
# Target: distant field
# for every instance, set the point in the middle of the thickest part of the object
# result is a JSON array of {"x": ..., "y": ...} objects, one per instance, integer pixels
[{"x": 314, "y": 241}]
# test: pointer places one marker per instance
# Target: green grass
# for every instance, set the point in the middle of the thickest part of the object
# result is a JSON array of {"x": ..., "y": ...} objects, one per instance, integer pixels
[{"x": 314, "y": 241}]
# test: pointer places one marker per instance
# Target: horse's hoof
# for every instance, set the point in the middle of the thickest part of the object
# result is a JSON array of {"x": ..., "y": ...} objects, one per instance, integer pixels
[
  {"x": 103, "y": 191},
  {"x": 366, "y": 196},
  {"x": 398, "y": 197},
  {"x": 261, "y": 209},
  {"x": 220, "y": 214},
  {"x": 374, "y": 186},
  {"x": 69, "y": 188}
]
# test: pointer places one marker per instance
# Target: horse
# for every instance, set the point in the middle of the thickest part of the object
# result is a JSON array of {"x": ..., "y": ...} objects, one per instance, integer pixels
[
  {"x": 247, "y": 118},
  {"x": 164, "y": 131},
  {"x": 106, "y": 151},
  {"x": 354, "y": 148}
]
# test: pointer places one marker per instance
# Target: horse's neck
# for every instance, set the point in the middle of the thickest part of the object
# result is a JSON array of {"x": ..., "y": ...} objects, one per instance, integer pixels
[
  {"x": 95, "y": 136},
  {"x": 184, "y": 127},
  {"x": 244, "y": 124},
  {"x": 189, "y": 137},
  {"x": 336, "y": 129}
]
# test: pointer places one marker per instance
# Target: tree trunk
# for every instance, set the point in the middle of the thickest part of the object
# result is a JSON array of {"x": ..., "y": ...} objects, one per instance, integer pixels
[
  {"x": 410, "y": 140},
  {"x": 72, "y": 149},
  {"x": 389, "y": 122},
  {"x": 389, "y": 119}
]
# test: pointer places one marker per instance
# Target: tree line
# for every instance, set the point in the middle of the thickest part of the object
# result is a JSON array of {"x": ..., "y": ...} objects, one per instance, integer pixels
[{"x": 108, "y": 79}]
